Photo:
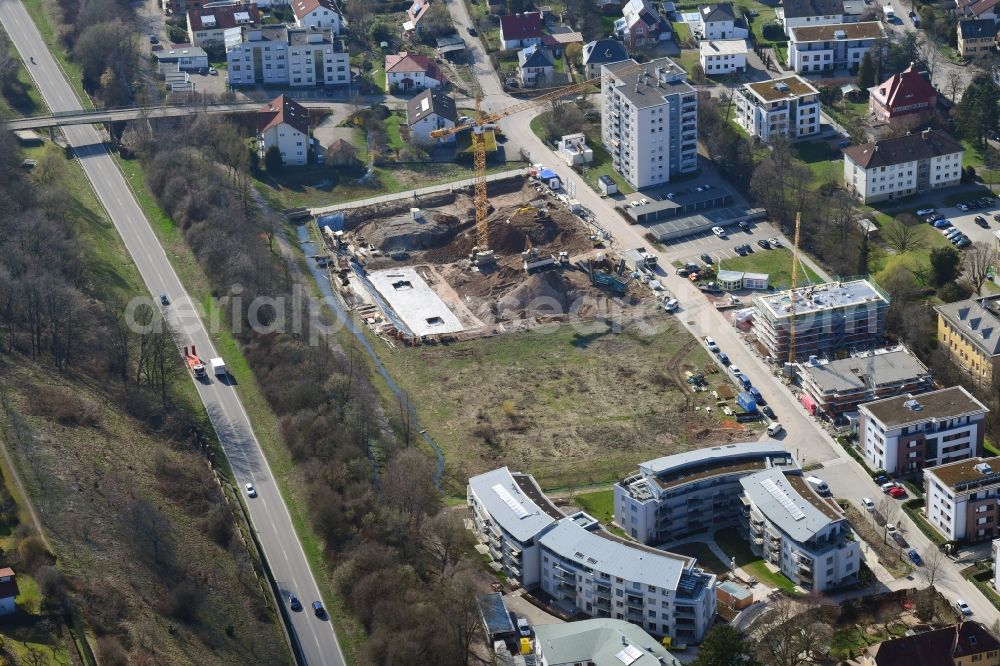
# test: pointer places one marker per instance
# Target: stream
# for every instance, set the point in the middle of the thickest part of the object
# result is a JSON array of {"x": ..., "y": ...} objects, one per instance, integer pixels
[{"x": 323, "y": 281}]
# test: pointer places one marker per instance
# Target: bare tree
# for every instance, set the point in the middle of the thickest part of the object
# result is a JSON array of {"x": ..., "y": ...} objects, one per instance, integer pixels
[
  {"x": 954, "y": 84},
  {"x": 460, "y": 613},
  {"x": 889, "y": 511},
  {"x": 905, "y": 234},
  {"x": 792, "y": 633},
  {"x": 933, "y": 561},
  {"x": 977, "y": 263}
]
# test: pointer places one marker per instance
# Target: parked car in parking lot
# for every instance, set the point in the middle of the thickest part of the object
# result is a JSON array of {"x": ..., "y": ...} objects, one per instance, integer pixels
[
  {"x": 915, "y": 557},
  {"x": 981, "y": 221},
  {"x": 925, "y": 211},
  {"x": 962, "y": 207},
  {"x": 740, "y": 250},
  {"x": 942, "y": 224},
  {"x": 963, "y": 243},
  {"x": 719, "y": 231},
  {"x": 707, "y": 258},
  {"x": 744, "y": 226},
  {"x": 774, "y": 242},
  {"x": 888, "y": 485},
  {"x": 764, "y": 244},
  {"x": 897, "y": 492},
  {"x": 767, "y": 411}
]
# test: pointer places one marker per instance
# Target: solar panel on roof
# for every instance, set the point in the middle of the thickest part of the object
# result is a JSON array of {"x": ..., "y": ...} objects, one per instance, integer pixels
[
  {"x": 509, "y": 500},
  {"x": 629, "y": 654},
  {"x": 779, "y": 494}
]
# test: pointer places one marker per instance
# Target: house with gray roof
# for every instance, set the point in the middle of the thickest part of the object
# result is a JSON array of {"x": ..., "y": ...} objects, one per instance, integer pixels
[
  {"x": 837, "y": 388},
  {"x": 535, "y": 66},
  {"x": 802, "y": 533},
  {"x": 969, "y": 331},
  {"x": 797, "y": 13},
  {"x": 719, "y": 22},
  {"x": 602, "y": 52},
  {"x": 600, "y": 642}
]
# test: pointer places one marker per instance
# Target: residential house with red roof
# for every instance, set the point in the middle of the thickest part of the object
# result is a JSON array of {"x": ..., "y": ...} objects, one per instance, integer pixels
[
  {"x": 902, "y": 95},
  {"x": 411, "y": 71},
  {"x": 212, "y": 26},
  {"x": 284, "y": 123},
  {"x": 8, "y": 591},
  {"x": 960, "y": 645},
  {"x": 317, "y": 14},
  {"x": 641, "y": 25},
  {"x": 980, "y": 9},
  {"x": 518, "y": 31}
]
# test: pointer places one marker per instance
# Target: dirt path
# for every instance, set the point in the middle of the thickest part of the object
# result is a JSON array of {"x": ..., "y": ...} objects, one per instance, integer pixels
[{"x": 14, "y": 479}]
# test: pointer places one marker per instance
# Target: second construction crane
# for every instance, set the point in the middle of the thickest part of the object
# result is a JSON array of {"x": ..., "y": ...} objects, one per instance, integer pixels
[{"x": 485, "y": 121}]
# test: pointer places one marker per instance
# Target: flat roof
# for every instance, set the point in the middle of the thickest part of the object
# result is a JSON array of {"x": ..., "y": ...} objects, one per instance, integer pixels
[
  {"x": 962, "y": 475},
  {"x": 631, "y": 561},
  {"x": 828, "y": 33},
  {"x": 692, "y": 223},
  {"x": 735, "y": 589},
  {"x": 903, "y": 410},
  {"x": 421, "y": 310},
  {"x": 723, "y": 47},
  {"x": 789, "y": 87},
  {"x": 788, "y": 502},
  {"x": 600, "y": 641},
  {"x": 719, "y": 454},
  {"x": 184, "y": 52},
  {"x": 887, "y": 367},
  {"x": 820, "y": 297},
  {"x": 510, "y": 507},
  {"x": 495, "y": 616}
]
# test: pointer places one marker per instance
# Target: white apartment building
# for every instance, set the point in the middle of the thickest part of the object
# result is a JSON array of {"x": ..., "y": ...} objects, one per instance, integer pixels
[
  {"x": 725, "y": 56},
  {"x": 584, "y": 567},
  {"x": 284, "y": 123},
  {"x": 906, "y": 433},
  {"x": 816, "y": 48},
  {"x": 801, "y": 533},
  {"x": 215, "y": 26},
  {"x": 781, "y": 107},
  {"x": 317, "y": 14},
  {"x": 962, "y": 499},
  {"x": 509, "y": 515},
  {"x": 797, "y": 13},
  {"x": 899, "y": 167},
  {"x": 295, "y": 57},
  {"x": 649, "y": 122},
  {"x": 601, "y": 575},
  {"x": 674, "y": 497}
]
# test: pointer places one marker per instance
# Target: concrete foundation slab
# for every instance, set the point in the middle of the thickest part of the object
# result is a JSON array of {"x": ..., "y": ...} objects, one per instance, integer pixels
[{"x": 416, "y": 304}]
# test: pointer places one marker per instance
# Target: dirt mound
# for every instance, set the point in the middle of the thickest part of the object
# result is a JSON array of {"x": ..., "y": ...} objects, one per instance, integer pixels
[
  {"x": 542, "y": 293},
  {"x": 408, "y": 234}
]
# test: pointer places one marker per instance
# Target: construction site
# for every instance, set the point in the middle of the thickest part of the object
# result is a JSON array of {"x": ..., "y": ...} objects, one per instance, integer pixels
[{"x": 414, "y": 273}]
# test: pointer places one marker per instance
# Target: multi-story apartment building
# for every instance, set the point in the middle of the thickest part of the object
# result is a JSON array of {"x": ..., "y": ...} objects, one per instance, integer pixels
[
  {"x": 295, "y": 57},
  {"x": 903, "y": 96},
  {"x": 509, "y": 515},
  {"x": 907, "y": 433},
  {"x": 781, "y": 107},
  {"x": 837, "y": 388},
  {"x": 969, "y": 331},
  {"x": 828, "y": 318},
  {"x": 594, "y": 572},
  {"x": 284, "y": 123},
  {"x": 649, "y": 122},
  {"x": 797, "y": 13},
  {"x": 724, "y": 56},
  {"x": 214, "y": 26},
  {"x": 801, "y": 533},
  {"x": 816, "y": 48},
  {"x": 673, "y": 497},
  {"x": 600, "y": 641},
  {"x": 584, "y": 567},
  {"x": 962, "y": 499},
  {"x": 963, "y": 644},
  {"x": 905, "y": 165}
]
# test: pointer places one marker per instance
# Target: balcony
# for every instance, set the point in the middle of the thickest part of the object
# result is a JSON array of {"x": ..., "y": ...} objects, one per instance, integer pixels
[
  {"x": 603, "y": 603},
  {"x": 603, "y": 589},
  {"x": 633, "y": 616},
  {"x": 634, "y": 599}
]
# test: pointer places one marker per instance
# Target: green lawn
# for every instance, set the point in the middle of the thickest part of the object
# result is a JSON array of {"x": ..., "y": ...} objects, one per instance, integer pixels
[
  {"x": 393, "y": 140},
  {"x": 848, "y": 643},
  {"x": 918, "y": 260},
  {"x": 682, "y": 32},
  {"x": 688, "y": 59},
  {"x": 825, "y": 162},
  {"x": 601, "y": 505},
  {"x": 777, "y": 263},
  {"x": 734, "y": 545},
  {"x": 706, "y": 558}
]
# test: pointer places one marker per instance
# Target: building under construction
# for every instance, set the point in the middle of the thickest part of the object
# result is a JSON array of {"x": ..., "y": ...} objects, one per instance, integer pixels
[{"x": 827, "y": 318}]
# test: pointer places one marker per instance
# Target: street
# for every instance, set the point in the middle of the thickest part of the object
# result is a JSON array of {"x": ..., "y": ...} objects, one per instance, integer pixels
[{"x": 268, "y": 512}]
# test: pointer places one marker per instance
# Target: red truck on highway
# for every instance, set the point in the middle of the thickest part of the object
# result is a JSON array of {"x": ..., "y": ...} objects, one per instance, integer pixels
[{"x": 194, "y": 362}]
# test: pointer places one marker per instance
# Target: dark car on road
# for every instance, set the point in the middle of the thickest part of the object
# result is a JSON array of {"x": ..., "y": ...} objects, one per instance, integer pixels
[
  {"x": 767, "y": 411},
  {"x": 472, "y": 31},
  {"x": 981, "y": 221},
  {"x": 915, "y": 557},
  {"x": 294, "y": 603},
  {"x": 318, "y": 608}
]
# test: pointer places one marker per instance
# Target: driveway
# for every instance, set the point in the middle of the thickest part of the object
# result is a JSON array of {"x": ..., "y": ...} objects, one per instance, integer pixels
[
  {"x": 524, "y": 608},
  {"x": 488, "y": 81}
]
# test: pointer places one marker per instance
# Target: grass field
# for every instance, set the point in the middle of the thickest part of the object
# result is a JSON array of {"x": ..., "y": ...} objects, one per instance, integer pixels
[
  {"x": 777, "y": 263},
  {"x": 318, "y": 185},
  {"x": 826, "y": 163},
  {"x": 573, "y": 407},
  {"x": 916, "y": 261},
  {"x": 734, "y": 545}
]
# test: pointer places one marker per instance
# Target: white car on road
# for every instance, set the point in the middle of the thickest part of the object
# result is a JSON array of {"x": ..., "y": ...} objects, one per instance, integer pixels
[
  {"x": 712, "y": 346},
  {"x": 868, "y": 503},
  {"x": 963, "y": 607},
  {"x": 926, "y": 211}
]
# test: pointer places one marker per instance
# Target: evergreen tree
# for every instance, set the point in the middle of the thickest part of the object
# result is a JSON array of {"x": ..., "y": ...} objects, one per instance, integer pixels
[
  {"x": 723, "y": 646},
  {"x": 866, "y": 73},
  {"x": 977, "y": 114}
]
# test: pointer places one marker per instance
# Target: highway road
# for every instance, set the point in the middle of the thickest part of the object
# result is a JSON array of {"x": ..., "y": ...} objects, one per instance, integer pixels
[{"x": 268, "y": 511}]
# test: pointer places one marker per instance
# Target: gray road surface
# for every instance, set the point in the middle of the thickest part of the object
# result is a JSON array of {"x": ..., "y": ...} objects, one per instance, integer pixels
[{"x": 268, "y": 512}]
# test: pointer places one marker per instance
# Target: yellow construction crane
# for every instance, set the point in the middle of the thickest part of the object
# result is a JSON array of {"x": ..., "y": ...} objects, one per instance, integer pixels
[
  {"x": 795, "y": 276},
  {"x": 478, "y": 128}
]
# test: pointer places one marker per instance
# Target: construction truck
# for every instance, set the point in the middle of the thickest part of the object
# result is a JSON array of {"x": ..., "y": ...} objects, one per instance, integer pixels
[{"x": 194, "y": 363}]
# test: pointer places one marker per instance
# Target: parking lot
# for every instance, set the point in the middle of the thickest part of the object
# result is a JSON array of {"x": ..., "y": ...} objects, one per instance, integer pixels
[
  {"x": 964, "y": 221},
  {"x": 691, "y": 248}
]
